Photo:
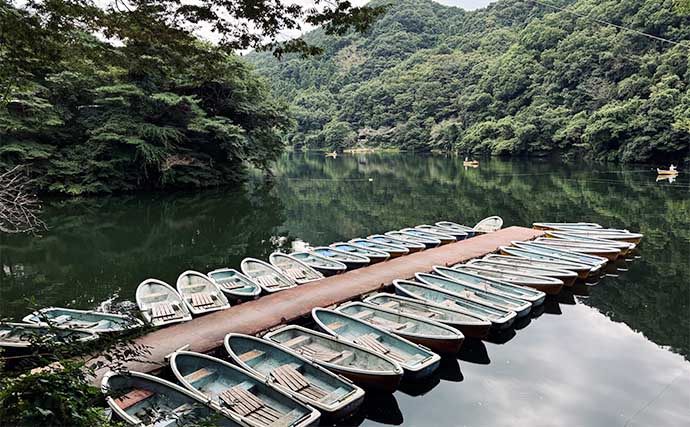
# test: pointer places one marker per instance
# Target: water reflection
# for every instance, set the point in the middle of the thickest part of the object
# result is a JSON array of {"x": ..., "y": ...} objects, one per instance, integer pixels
[{"x": 580, "y": 349}]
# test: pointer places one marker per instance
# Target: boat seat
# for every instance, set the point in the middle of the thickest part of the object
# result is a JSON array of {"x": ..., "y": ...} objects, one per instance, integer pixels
[
  {"x": 391, "y": 304},
  {"x": 246, "y": 404},
  {"x": 202, "y": 299},
  {"x": 369, "y": 341},
  {"x": 61, "y": 319},
  {"x": 335, "y": 325},
  {"x": 295, "y": 273},
  {"x": 198, "y": 375},
  {"x": 251, "y": 355},
  {"x": 162, "y": 310},
  {"x": 363, "y": 314},
  {"x": 270, "y": 282},
  {"x": 343, "y": 355},
  {"x": 132, "y": 398},
  {"x": 291, "y": 378},
  {"x": 154, "y": 297},
  {"x": 319, "y": 353},
  {"x": 229, "y": 284},
  {"x": 297, "y": 341}
]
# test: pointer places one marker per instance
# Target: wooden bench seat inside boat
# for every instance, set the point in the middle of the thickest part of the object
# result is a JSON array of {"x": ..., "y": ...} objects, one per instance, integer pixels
[
  {"x": 229, "y": 284},
  {"x": 335, "y": 325},
  {"x": 369, "y": 341},
  {"x": 198, "y": 375},
  {"x": 162, "y": 309},
  {"x": 270, "y": 282},
  {"x": 202, "y": 299},
  {"x": 132, "y": 398},
  {"x": 246, "y": 404},
  {"x": 251, "y": 355},
  {"x": 291, "y": 378}
]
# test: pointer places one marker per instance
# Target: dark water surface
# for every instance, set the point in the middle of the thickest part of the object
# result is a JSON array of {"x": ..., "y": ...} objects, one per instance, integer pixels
[{"x": 612, "y": 354}]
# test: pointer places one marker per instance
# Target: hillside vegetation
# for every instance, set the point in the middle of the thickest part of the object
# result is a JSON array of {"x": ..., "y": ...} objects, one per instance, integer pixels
[{"x": 516, "y": 78}]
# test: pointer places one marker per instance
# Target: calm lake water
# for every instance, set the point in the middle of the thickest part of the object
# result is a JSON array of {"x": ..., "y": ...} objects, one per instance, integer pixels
[{"x": 611, "y": 354}]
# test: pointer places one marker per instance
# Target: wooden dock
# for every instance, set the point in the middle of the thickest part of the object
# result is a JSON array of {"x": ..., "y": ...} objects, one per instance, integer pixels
[{"x": 206, "y": 333}]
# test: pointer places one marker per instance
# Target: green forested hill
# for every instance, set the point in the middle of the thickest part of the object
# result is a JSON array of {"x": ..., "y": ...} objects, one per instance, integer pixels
[{"x": 515, "y": 78}]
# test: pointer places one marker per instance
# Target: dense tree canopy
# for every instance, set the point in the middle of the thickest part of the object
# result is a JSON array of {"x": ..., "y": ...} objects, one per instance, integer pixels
[
  {"x": 103, "y": 96},
  {"x": 515, "y": 78}
]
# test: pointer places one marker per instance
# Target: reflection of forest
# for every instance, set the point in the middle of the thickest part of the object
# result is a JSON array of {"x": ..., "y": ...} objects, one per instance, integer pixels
[
  {"x": 329, "y": 200},
  {"x": 99, "y": 246}
]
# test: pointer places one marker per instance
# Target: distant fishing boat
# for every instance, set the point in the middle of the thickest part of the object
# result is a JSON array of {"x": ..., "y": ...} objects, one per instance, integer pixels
[
  {"x": 583, "y": 270},
  {"x": 86, "y": 320},
  {"x": 624, "y": 247},
  {"x": 459, "y": 235},
  {"x": 294, "y": 269},
  {"x": 294, "y": 375},
  {"x": 351, "y": 260},
  {"x": 520, "y": 307},
  {"x": 568, "y": 225},
  {"x": 374, "y": 255},
  {"x": 147, "y": 401},
  {"x": 666, "y": 171},
  {"x": 323, "y": 265},
  {"x": 568, "y": 277},
  {"x": 393, "y": 251},
  {"x": 360, "y": 365},
  {"x": 160, "y": 304},
  {"x": 25, "y": 335},
  {"x": 453, "y": 226},
  {"x": 435, "y": 336},
  {"x": 200, "y": 293},
  {"x": 590, "y": 248},
  {"x": 417, "y": 362},
  {"x": 471, "y": 277},
  {"x": 332, "y": 154},
  {"x": 489, "y": 225},
  {"x": 410, "y": 245},
  {"x": 238, "y": 393},
  {"x": 594, "y": 261},
  {"x": 235, "y": 284},
  {"x": 443, "y": 237},
  {"x": 267, "y": 276},
  {"x": 541, "y": 284},
  {"x": 469, "y": 324},
  {"x": 500, "y": 318},
  {"x": 426, "y": 241}
]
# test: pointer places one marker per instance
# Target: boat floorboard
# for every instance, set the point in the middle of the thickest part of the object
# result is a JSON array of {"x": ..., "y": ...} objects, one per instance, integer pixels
[{"x": 207, "y": 332}]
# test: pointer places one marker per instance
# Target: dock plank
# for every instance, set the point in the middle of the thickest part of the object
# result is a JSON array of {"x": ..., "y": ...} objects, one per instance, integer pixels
[{"x": 206, "y": 333}]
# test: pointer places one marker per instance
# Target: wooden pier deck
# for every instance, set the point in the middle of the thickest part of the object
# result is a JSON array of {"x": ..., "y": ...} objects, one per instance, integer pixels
[{"x": 206, "y": 333}]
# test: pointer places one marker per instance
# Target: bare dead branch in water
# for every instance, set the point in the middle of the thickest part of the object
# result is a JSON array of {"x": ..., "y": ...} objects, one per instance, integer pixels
[{"x": 19, "y": 206}]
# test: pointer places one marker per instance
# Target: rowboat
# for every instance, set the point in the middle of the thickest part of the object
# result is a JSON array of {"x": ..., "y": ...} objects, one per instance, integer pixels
[
  {"x": 160, "y": 304},
  {"x": 294, "y": 375},
  {"x": 624, "y": 247},
  {"x": 435, "y": 336},
  {"x": 325, "y": 266},
  {"x": 265, "y": 275},
  {"x": 608, "y": 252},
  {"x": 235, "y": 284},
  {"x": 25, "y": 335},
  {"x": 453, "y": 226},
  {"x": 417, "y": 361},
  {"x": 85, "y": 320},
  {"x": 443, "y": 237},
  {"x": 410, "y": 245},
  {"x": 294, "y": 269},
  {"x": 583, "y": 270},
  {"x": 666, "y": 171},
  {"x": 568, "y": 277},
  {"x": 594, "y": 261},
  {"x": 375, "y": 256},
  {"x": 489, "y": 225},
  {"x": 426, "y": 241},
  {"x": 609, "y": 234},
  {"x": 459, "y": 235},
  {"x": 541, "y": 284},
  {"x": 238, "y": 393},
  {"x": 469, "y": 324},
  {"x": 200, "y": 293},
  {"x": 146, "y": 401},
  {"x": 352, "y": 261},
  {"x": 569, "y": 225},
  {"x": 393, "y": 251},
  {"x": 364, "y": 367},
  {"x": 492, "y": 299},
  {"x": 499, "y": 318},
  {"x": 471, "y": 278}
]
